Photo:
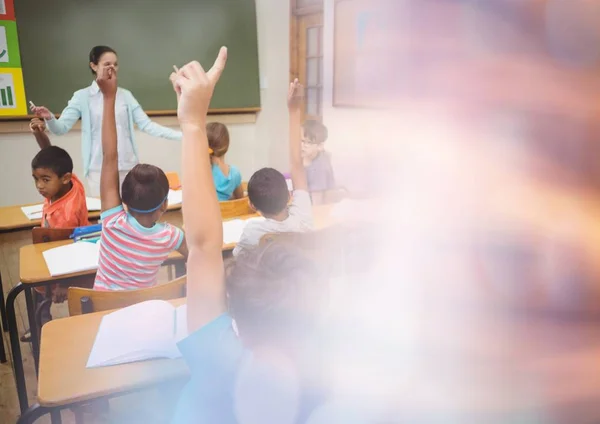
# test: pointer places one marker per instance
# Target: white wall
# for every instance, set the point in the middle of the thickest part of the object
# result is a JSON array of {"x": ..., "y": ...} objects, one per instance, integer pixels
[
  {"x": 263, "y": 143},
  {"x": 355, "y": 134}
]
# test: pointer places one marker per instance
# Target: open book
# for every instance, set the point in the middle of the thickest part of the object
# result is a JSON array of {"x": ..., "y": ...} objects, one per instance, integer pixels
[
  {"x": 72, "y": 258},
  {"x": 147, "y": 330},
  {"x": 232, "y": 230},
  {"x": 35, "y": 211},
  {"x": 175, "y": 197}
]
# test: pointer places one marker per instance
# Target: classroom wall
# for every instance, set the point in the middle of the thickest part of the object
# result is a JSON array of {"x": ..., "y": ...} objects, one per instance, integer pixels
[
  {"x": 253, "y": 145},
  {"x": 354, "y": 133}
]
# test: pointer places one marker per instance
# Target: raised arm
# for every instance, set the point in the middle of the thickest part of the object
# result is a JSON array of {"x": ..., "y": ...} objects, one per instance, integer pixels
[
  {"x": 109, "y": 177},
  {"x": 68, "y": 117},
  {"x": 38, "y": 129},
  {"x": 296, "y": 166},
  {"x": 201, "y": 213}
]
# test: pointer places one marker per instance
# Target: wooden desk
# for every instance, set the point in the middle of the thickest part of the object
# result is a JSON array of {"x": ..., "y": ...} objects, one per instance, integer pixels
[
  {"x": 33, "y": 268},
  {"x": 58, "y": 353},
  {"x": 12, "y": 218},
  {"x": 58, "y": 389}
]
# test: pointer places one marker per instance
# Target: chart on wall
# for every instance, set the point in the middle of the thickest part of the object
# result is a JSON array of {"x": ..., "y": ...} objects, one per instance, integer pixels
[{"x": 12, "y": 89}]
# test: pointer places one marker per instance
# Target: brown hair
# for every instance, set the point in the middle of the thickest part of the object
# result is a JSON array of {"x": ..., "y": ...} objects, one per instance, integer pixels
[
  {"x": 315, "y": 131},
  {"x": 145, "y": 187},
  {"x": 218, "y": 138}
]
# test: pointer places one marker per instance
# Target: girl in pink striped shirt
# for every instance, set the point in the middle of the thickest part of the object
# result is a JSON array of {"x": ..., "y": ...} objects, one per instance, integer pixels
[{"x": 133, "y": 244}]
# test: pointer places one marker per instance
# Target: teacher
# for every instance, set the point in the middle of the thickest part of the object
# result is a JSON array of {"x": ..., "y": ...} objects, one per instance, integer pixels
[{"x": 87, "y": 104}]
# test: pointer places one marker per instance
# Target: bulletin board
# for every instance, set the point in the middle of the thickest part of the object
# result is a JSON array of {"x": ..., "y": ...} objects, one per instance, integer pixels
[{"x": 12, "y": 90}]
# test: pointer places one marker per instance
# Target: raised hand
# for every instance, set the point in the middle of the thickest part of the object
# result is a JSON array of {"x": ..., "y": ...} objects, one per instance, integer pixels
[
  {"x": 295, "y": 95},
  {"x": 173, "y": 78},
  {"x": 196, "y": 87},
  {"x": 37, "y": 126},
  {"x": 41, "y": 112},
  {"x": 107, "y": 81}
]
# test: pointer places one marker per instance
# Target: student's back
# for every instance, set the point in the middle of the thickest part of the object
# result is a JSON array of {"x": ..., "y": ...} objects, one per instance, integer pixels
[
  {"x": 227, "y": 178},
  {"x": 133, "y": 244}
]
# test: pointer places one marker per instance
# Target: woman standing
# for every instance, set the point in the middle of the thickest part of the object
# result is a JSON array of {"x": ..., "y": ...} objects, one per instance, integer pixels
[{"x": 87, "y": 104}]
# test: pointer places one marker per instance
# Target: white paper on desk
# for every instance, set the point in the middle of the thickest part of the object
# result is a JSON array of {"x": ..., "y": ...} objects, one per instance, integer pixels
[
  {"x": 175, "y": 197},
  {"x": 233, "y": 230},
  {"x": 72, "y": 258},
  {"x": 33, "y": 212},
  {"x": 147, "y": 330},
  {"x": 93, "y": 204}
]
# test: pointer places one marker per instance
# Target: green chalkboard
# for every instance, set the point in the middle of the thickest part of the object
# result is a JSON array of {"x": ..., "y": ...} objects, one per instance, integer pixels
[{"x": 150, "y": 36}]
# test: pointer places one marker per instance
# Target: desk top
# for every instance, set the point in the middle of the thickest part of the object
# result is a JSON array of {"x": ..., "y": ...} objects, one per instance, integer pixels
[
  {"x": 33, "y": 269},
  {"x": 13, "y": 218},
  {"x": 65, "y": 347}
]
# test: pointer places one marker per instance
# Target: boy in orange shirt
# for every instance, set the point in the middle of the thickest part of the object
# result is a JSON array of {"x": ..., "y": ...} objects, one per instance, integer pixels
[
  {"x": 52, "y": 170},
  {"x": 64, "y": 203}
]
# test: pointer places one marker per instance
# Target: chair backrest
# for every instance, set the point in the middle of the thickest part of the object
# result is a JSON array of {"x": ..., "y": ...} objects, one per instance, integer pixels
[
  {"x": 45, "y": 235},
  {"x": 97, "y": 301},
  {"x": 174, "y": 182},
  {"x": 335, "y": 249},
  {"x": 234, "y": 208}
]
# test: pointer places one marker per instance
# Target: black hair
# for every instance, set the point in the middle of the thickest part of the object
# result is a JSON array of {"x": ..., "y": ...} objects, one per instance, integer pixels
[
  {"x": 272, "y": 291},
  {"x": 54, "y": 158},
  {"x": 315, "y": 131},
  {"x": 145, "y": 187},
  {"x": 268, "y": 191},
  {"x": 97, "y": 52}
]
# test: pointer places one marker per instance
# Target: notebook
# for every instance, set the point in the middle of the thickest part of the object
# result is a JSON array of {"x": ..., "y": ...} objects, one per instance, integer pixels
[
  {"x": 72, "y": 258},
  {"x": 35, "y": 211},
  {"x": 147, "y": 330},
  {"x": 232, "y": 230},
  {"x": 175, "y": 197}
]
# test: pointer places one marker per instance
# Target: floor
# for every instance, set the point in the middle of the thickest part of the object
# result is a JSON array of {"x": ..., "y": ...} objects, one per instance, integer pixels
[{"x": 130, "y": 409}]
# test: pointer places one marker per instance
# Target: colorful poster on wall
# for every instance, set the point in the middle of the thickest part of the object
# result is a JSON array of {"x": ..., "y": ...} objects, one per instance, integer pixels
[{"x": 12, "y": 89}]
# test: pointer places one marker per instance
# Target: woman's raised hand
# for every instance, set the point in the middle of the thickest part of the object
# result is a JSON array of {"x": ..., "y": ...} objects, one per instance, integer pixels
[{"x": 41, "y": 112}]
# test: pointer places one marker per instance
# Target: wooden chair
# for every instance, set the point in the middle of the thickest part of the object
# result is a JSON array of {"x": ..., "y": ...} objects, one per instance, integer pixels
[
  {"x": 45, "y": 235},
  {"x": 174, "y": 182},
  {"x": 235, "y": 208},
  {"x": 336, "y": 249},
  {"x": 85, "y": 300}
]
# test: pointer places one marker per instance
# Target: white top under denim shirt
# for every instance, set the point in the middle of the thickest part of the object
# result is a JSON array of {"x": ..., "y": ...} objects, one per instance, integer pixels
[
  {"x": 87, "y": 104},
  {"x": 127, "y": 157}
]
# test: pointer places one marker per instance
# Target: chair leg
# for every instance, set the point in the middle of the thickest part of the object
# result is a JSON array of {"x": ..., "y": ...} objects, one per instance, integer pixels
[
  {"x": 3, "y": 306},
  {"x": 3, "y": 359},
  {"x": 78, "y": 412},
  {"x": 55, "y": 417},
  {"x": 36, "y": 411}
]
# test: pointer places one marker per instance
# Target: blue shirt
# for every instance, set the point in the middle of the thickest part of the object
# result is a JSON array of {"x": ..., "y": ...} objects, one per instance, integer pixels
[
  {"x": 213, "y": 354},
  {"x": 226, "y": 185}
]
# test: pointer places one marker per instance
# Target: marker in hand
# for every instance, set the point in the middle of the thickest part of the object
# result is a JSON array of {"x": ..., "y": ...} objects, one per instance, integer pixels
[{"x": 31, "y": 105}]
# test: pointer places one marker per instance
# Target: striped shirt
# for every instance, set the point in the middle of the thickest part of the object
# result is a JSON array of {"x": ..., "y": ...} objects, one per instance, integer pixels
[{"x": 130, "y": 254}]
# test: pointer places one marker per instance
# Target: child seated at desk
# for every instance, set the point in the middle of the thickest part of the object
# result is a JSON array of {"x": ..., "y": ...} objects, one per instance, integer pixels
[
  {"x": 227, "y": 178},
  {"x": 267, "y": 292},
  {"x": 268, "y": 191},
  {"x": 317, "y": 162},
  {"x": 63, "y": 192},
  {"x": 133, "y": 244},
  {"x": 64, "y": 205}
]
